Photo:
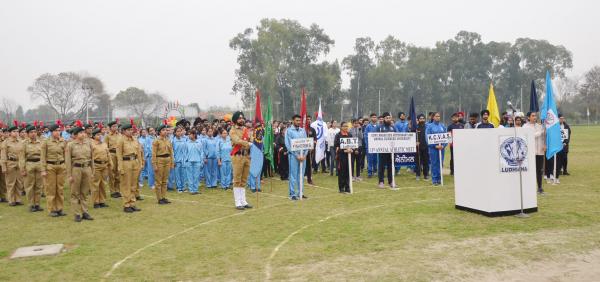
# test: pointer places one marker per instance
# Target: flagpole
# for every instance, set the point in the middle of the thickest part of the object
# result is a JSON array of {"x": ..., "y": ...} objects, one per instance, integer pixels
[
  {"x": 257, "y": 191},
  {"x": 350, "y": 171},
  {"x": 554, "y": 173},
  {"x": 441, "y": 165},
  {"x": 301, "y": 178}
]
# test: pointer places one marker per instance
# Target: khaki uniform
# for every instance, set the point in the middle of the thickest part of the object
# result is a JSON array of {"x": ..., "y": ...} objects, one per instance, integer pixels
[
  {"x": 112, "y": 141},
  {"x": 139, "y": 171},
  {"x": 241, "y": 160},
  {"x": 102, "y": 165},
  {"x": 129, "y": 166},
  {"x": 53, "y": 164},
  {"x": 20, "y": 185},
  {"x": 30, "y": 165},
  {"x": 79, "y": 166},
  {"x": 11, "y": 149},
  {"x": 2, "y": 175},
  {"x": 162, "y": 163}
]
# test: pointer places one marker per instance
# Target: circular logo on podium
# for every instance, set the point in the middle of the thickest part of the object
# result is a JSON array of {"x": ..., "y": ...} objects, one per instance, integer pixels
[{"x": 514, "y": 151}]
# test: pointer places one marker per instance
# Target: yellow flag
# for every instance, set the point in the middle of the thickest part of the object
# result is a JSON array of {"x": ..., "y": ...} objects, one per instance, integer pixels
[{"x": 492, "y": 106}]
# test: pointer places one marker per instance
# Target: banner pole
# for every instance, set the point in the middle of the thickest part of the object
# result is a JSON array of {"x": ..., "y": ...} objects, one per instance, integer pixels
[
  {"x": 554, "y": 173},
  {"x": 350, "y": 172},
  {"x": 300, "y": 178},
  {"x": 441, "y": 166},
  {"x": 393, "y": 165},
  {"x": 257, "y": 192}
]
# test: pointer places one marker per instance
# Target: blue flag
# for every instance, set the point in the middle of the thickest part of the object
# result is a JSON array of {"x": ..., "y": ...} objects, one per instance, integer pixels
[
  {"x": 549, "y": 116},
  {"x": 533, "y": 99}
]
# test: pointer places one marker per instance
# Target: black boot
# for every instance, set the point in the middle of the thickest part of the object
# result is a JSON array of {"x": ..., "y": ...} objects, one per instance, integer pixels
[
  {"x": 77, "y": 218},
  {"x": 87, "y": 216},
  {"x": 128, "y": 210}
]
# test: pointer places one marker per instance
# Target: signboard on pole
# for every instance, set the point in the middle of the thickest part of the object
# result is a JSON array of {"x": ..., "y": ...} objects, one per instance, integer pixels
[
  {"x": 301, "y": 144},
  {"x": 392, "y": 142},
  {"x": 564, "y": 134},
  {"x": 405, "y": 159},
  {"x": 439, "y": 138},
  {"x": 348, "y": 143}
]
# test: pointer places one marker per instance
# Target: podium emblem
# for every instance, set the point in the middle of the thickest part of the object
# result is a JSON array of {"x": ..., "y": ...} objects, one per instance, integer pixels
[{"x": 513, "y": 151}]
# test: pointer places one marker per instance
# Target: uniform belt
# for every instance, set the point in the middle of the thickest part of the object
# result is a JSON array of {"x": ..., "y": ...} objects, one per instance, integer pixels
[
  {"x": 112, "y": 150},
  {"x": 55, "y": 162},
  {"x": 33, "y": 160},
  {"x": 99, "y": 162},
  {"x": 12, "y": 159},
  {"x": 242, "y": 153},
  {"x": 163, "y": 156},
  {"x": 81, "y": 164},
  {"x": 129, "y": 158}
]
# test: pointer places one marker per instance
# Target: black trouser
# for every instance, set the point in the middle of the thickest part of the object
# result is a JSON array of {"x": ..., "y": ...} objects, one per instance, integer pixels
[
  {"x": 385, "y": 161},
  {"x": 332, "y": 160},
  {"x": 422, "y": 162},
  {"x": 356, "y": 164},
  {"x": 451, "y": 160},
  {"x": 343, "y": 181},
  {"x": 308, "y": 172},
  {"x": 550, "y": 167},
  {"x": 266, "y": 170},
  {"x": 362, "y": 154},
  {"x": 539, "y": 170},
  {"x": 284, "y": 168},
  {"x": 561, "y": 167}
]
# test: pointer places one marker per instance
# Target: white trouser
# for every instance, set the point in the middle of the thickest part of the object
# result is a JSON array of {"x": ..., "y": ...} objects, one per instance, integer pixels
[{"x": 239, "y": 196}]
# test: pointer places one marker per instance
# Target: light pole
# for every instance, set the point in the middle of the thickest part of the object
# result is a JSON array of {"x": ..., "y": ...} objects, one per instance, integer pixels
[
  {"x": 90, "y": 91},
  {"x": 344, "y": 102},
  {"x": 379, "y": 102}
]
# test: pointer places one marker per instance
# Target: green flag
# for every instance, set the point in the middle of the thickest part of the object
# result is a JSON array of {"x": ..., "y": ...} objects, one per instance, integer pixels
[{"x": 269, "y": 138}]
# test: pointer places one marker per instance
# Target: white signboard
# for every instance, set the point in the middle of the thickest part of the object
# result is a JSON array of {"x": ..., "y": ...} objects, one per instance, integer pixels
[
  {"x": 301, "y": 144},
  {"x": 439, "y": 138},
  {"x": 392, "y": 142},
  {"x": 348, "y": 143},
  {"x": 513, "y": 155},
  {"x": 564, "y": 134}
]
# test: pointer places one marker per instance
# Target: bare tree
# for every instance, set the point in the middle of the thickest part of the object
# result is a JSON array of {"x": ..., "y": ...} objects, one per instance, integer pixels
[
  {"x": 139, "y": 103},
  {"x": 8, "y": 108},
  {"x": 64, "y": 93}
]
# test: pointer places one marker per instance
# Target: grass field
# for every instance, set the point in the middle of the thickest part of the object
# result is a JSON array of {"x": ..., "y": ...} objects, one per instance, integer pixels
[{"x": 414, "y": 234}]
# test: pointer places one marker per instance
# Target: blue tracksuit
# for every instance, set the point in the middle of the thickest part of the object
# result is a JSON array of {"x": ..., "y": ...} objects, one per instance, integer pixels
[
  {"x": 171, "y": 180},
  {"x": 147, "y": 171},
  {"x": 195, "y": 163},
  {"x": 371, "y": 158},
  {"x": 202, "y": 138},
  {"x": 226, "y": 169},
  {"x": 294, "y": 164},
  {"x": 434, "y": 157},
  {"x": 401, "y": 126},
  {"x": 65, "y": 135},
  {"x": 211, "y": 166},
  {"x": 180, "y": 151}
]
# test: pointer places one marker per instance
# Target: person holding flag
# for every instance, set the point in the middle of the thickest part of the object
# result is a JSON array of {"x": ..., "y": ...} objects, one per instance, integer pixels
[
  {"x": 295, "y": 157},
  {"x": 549, "y": 116}
]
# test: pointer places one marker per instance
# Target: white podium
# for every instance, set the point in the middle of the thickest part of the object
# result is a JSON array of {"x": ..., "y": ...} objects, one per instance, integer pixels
[{"x": 486, "y": 170}]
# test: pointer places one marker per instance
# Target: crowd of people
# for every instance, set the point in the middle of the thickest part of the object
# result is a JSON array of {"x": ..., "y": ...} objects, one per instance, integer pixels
[{"x": 119, "y": 159}]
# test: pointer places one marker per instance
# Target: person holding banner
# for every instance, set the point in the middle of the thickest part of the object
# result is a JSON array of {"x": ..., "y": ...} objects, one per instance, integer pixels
[
  {"x": 295, "y": 158},
  {"x": 385, "y": 160},
  {"x": 357, "y": 132},
  {"x": 434, "y": 149},
  {"x": 342, "y": 159}
]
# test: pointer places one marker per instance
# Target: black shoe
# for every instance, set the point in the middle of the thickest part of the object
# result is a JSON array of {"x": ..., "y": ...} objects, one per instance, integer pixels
[
  {"x": 54, "y": 214},
  {"x": 103, "y": 205},
  {"x": 253, "y": 191},
  {"x": 162, "y": 202},
  {"x": 23, "y": 193},
  {"x": 61, "y": 213},
  {"x": 304, "y": 197},
  {"x": 134, "y": 208},
  {"x": 116, "y": 195},
  {"x": 2, "y": 200},
  {"x": 32, "y": 209},
  {"x": 77, "y": 218},
  {"x": 311, "y": 183},
  {"x": 139, "y": 198},
  {"x": 128, "y": 210},
  {"x": 38, "y": 208},
  {"x": 247, "y": 206},
  {"x": 43, "y": 195},
  {"x": 294, "y": 198},
  {"x": 18, "y": 203},
  {"x": 194, "y": 193},
  {"x": 87, "y": 216},
  {"x": 96, "y": 206},
  {"x": 240, "y": 208},
  {"x": 566, "y": 173},
  {"x": 12, "y": 204},
  {"x": 167, "y": 201}
]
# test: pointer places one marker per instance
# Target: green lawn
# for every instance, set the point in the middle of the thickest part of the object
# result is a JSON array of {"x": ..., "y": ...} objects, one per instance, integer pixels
[{"x": 413, "y": 234}]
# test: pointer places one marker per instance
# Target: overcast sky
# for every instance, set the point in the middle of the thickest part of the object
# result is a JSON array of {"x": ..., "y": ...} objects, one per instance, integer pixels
[{"x": 180, "y": 48}]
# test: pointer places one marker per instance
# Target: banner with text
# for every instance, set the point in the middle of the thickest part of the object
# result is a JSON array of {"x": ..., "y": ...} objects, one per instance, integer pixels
[{"x": 392, "y": 142}]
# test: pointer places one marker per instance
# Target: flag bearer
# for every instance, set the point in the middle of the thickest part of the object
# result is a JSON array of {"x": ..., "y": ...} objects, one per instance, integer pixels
[{"x": 241, "y": 139}]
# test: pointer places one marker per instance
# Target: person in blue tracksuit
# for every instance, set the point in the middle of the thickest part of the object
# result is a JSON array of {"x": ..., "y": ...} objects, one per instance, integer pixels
[
  {"x": 180, "y": 152},
  {"x": 436, "y": 127},
  {"x": 195, "y": 161},
  {"x": 210, "y": 159},
  {"x": 65, "y": 134},
  {"x": 371, "y": 158},
  {"x": 202, "y": 137},
  {"x": 147, "y": 172},
  {"x": 294, "y": 158},
  {"x": 171, "y": 179},
  {"x": 401, "y": 126},
  {"x": 224, "y": 160}
]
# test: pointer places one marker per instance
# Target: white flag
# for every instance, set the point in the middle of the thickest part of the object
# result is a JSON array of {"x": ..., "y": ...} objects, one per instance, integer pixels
[{"x": 321, "y": 128}]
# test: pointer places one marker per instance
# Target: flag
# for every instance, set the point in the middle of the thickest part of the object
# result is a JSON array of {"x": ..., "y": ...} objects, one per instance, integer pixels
[
  {"x": 492, "y": 106},
  {"x": 257, "y": 112},
  {"x": 412, "y": 115},
  {"x": 321, "y": 129},
  {"x": 303, "y": 109},
  {"x": 269, "y": 136},
  {"x": 549, "y": 116},
  {"x": 533, "y": 99}
]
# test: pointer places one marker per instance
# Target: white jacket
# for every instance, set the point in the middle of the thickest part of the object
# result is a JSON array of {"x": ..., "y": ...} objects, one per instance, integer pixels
[{"x": 540, "y": 137}]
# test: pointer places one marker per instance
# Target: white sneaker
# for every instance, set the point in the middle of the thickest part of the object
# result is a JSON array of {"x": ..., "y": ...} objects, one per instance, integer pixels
[
  {"x": 152, "y": 187},
  {"x": 548, "y": 180},
  {"x": 141, "y": 185},
  {"x": 557, "y": 181}
]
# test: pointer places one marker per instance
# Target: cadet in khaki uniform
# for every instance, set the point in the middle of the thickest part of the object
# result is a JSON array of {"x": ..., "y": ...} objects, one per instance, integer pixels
[
  {"x": 129, "y": 167},
  {"x": 2, "y": 175},
  {"x": 78, "y": 159},
  {"x": 162, "y": 163},
  {"x": 241, "y": 139},
  {"x": 102, "y": 166},
  {"x": 53, "y": 170},
  {"x": 11, "y": 149},
  {"x": 22, "y": 137},
  {"x": 112, "y": 140},
  {"x": 31, "y": 170}
]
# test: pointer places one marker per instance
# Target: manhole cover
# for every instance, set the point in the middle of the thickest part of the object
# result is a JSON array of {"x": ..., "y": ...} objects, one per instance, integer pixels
[{"x": 34, "y": 251}]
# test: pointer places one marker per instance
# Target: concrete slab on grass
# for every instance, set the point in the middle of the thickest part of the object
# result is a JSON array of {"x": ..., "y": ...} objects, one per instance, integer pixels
[{"x": 35, "y": 251}]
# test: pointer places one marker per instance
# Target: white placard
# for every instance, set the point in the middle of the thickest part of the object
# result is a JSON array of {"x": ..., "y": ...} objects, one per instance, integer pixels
[
  {"x": 348, "y": 143},
  {"x": 300, "y": 144},
  {"x": 439, "y": 138},
  {"x": 392, "y": 142},
  {"x": 564, "y": 134}
]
